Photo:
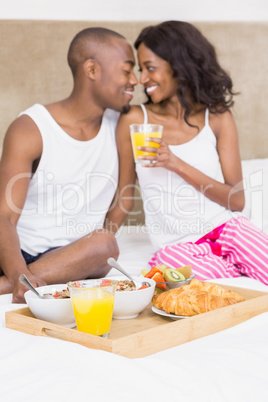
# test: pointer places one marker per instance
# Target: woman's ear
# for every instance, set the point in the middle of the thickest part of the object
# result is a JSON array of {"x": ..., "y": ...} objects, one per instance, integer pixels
[{"x": 90, "y": 68}]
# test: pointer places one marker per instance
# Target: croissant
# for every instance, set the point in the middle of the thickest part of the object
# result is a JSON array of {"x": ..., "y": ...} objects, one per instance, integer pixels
[{"x": 196, "y": 298}]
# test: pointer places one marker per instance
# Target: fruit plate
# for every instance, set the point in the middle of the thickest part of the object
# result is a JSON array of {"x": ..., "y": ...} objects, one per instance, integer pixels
[
  {"x": 164, "y": 314},
  {"x": 175, "y": 284}
]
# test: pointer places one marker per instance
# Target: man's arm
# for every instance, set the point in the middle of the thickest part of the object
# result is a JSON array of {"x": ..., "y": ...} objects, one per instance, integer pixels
[{"x": 22, "y": 146}]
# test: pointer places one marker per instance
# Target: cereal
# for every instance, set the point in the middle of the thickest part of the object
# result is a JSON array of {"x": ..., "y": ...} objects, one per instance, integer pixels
[{"x": 125, "y": 286}]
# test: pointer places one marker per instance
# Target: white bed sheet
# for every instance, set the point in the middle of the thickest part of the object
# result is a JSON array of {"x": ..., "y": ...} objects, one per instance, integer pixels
[{"x": 230, "y": 366}]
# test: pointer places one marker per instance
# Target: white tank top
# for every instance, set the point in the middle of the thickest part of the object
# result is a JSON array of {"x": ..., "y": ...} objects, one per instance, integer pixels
[
  {"x": 176, "y": 212},
  {"x": 73, "y": 186}
]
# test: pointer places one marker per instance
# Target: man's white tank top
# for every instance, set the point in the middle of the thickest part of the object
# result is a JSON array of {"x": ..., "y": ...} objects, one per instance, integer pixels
[
  {"x": 175, "y": 211},
  {"x": 73, "y": 186}
]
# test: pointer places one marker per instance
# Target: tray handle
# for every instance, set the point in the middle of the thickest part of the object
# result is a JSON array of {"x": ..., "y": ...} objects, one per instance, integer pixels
[
  {"x": 72, "y": 335},
  {"x": 52, "y": 333},
  {"x": 43, "y": 328}
]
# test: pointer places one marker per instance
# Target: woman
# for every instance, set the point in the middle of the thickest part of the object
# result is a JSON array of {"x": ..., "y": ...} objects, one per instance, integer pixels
[{"x": 192, "y": 187}]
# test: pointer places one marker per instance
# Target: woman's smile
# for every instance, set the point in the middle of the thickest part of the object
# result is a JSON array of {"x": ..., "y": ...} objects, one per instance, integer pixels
[{"x": 151, "y": 89}]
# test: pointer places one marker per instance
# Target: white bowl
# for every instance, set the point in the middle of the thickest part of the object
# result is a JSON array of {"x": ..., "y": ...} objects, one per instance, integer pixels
[
  {"x": 129, "y": 304},
  {"x": 57, "y": 311}
]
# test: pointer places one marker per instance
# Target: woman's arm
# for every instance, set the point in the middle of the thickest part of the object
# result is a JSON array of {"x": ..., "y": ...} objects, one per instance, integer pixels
[{"x": 124, "y": 198}]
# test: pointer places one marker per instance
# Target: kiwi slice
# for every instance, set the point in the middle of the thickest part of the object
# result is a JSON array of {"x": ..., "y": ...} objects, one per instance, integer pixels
[
  {"x": 186, "y": 271},
  {"x": 172, "y": 275}
]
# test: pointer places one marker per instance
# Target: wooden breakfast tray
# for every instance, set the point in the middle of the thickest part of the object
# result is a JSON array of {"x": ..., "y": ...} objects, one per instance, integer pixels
[{"x": 149, "y": 332}]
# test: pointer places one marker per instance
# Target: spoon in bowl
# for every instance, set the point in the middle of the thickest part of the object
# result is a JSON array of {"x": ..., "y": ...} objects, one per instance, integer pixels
[
  {"x": 114, "y": 264},
  {"x": 25, "y": 281}
]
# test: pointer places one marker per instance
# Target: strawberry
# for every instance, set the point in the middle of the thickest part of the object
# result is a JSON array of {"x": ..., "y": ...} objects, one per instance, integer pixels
[
  {"x": 143, "y": 287},
  {"x": 106, "y": 282},
  {"x": 159, "y": 278},
  {"x": 153, "y": 271}
]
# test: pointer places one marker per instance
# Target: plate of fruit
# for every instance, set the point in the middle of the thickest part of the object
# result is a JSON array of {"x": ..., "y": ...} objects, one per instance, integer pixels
[{"x": 169, "y": 278}]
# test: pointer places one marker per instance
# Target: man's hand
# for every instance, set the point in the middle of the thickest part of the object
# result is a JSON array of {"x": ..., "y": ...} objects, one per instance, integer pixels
[{"x": 19, "y": 289}]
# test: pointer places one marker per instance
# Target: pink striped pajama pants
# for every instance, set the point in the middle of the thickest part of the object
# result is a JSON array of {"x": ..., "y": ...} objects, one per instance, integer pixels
[{"x": 234, "y": 249}]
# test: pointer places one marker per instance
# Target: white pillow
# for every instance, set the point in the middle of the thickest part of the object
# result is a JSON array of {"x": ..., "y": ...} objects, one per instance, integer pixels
[{"x": 255, "y": 175}]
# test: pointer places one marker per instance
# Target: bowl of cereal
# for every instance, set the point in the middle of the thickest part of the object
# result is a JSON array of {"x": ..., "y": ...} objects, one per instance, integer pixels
[
  {"x": 58, "y": 310},
  {"x": 131, "y": 299}
]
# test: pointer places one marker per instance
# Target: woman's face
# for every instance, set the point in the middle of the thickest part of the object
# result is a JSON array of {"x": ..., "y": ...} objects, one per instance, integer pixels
[{"x": 156, "y": 75}]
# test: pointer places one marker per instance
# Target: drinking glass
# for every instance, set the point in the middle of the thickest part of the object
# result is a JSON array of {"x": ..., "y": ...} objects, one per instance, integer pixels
[
  {"x": 93, "y": 302},
  {"x": 139, "y": 133}
]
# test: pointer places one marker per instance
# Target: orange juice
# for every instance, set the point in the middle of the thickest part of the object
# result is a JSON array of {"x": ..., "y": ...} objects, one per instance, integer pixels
[
  {"x": 138, "y": 140},
  {"x": 139, "y": 133},
  {"x": 94, "y": 314}
]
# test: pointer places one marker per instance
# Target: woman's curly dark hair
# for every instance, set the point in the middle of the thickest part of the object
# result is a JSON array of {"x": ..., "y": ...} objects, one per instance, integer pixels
[{"x": 194, "y": 63}]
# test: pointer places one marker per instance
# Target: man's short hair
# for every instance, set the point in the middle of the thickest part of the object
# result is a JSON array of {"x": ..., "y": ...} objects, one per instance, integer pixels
[{"x": 84, "y": 44}]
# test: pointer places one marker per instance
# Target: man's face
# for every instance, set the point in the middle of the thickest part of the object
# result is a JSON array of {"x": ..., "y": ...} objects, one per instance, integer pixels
[{"x": 117, "y": 79}]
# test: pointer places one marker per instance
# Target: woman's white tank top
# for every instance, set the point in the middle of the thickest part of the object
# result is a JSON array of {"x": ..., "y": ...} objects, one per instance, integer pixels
[
  {"x": 73, "y": 186},
  {"x": 175, "y": 211}
]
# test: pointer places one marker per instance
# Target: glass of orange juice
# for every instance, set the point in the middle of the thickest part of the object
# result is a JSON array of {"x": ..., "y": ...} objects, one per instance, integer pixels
[
  {"x": 139, "y": 133},
  {"x": 93, "y": 302}
]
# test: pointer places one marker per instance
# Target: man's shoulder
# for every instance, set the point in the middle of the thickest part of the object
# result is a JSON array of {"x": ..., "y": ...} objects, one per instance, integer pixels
[
  {"x": 23, "y": 138},
  {"x": 111, "y": 116},
  {"x": 23, "y": 129},
  {"x": 22, "y": 125},
  {"x": 31, "y": 109}
]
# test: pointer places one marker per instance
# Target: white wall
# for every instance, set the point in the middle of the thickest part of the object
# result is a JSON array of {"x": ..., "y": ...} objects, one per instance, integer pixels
[{"x": 137, "y": 10}]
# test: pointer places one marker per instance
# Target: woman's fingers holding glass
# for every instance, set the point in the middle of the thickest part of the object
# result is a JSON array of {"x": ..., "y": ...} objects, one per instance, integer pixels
[
  {"x": 148, "y": 153},
  {"x": 154, "y": 139},
  {"x": 161, "y": 158},
  {"x": 148, "y": 150}
]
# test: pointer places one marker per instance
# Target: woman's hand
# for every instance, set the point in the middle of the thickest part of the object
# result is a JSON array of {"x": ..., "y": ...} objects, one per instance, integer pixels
[{"x": 163, "y": 157}]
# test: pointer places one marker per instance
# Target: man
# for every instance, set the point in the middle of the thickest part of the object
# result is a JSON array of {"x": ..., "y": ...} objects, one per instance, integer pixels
[{"x": 59, "y": 168}]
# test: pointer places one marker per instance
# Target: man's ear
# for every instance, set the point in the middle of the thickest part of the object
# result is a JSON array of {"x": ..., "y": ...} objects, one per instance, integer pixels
[{"x": 91, "y": 68}]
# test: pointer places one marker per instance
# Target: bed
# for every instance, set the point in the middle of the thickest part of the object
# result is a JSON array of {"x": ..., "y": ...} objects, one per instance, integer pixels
[{"x": 230, "y": 365}]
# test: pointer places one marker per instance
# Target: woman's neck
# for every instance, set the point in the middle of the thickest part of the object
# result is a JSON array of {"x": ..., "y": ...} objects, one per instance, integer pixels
[{"x": 169, "y": 107}]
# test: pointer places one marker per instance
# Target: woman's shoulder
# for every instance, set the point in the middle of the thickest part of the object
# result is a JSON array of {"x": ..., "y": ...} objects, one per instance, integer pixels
[
  {"x": 134, "y": 115},
  {"x": 221, "y": 121}
]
